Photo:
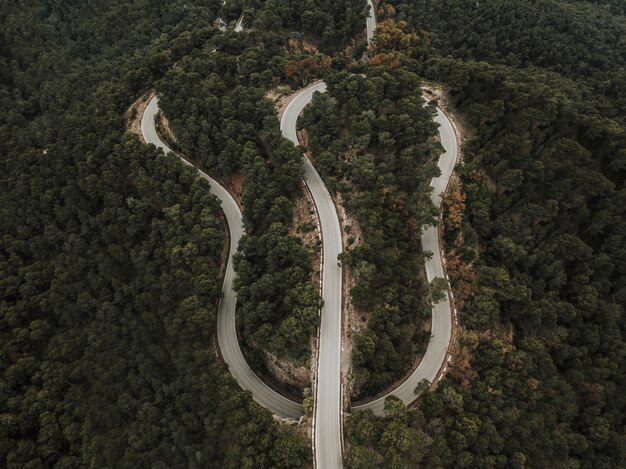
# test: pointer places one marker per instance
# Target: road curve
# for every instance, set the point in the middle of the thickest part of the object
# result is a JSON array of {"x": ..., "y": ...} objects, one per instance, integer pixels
[
  {"x": 327, "y": 423},
  {"x": 226, "y": 331},
  {"x": 441, "y": 322}
]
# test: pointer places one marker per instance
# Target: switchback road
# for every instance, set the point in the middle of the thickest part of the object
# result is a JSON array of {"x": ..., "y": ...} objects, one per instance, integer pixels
[
  {"x": 226, "y": 332},
  {"x": 441, "y": 325}
]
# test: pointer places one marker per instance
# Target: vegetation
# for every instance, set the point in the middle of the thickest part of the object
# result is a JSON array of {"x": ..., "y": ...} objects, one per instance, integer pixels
[
  {"x": 109, "y": 266},
  {"x": 329, "y": 23},
  {"x": 110, "y": 254},
  {"x": 373, "y": 141},
  {"x": 576, "y": 39},
  {"x": 218, "y": 114},
  {"x": 549, "y": 221},
  {"x": 395, "y": 441},
  {"x": 536, "y": 232}
]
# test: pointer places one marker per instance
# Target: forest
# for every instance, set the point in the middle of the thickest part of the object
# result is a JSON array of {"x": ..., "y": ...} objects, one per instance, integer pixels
[
  {"x": 329, "y": 24},
  {"x": 534, "y": 229},
  {"x": 576, "y": 39},
  {"x": 110, "y": 250},
  {"x": 110, "y": 256}
]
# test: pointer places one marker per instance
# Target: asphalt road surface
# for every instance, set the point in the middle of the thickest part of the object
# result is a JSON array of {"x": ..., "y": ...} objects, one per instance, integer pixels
[
  {"x": 370, "y": 22},
  {"x": 441, "y": 331},
  {"x": 226, "y": 332},
  {"x": 327, "y": 427},
  {"x": 239, "y": 25}
]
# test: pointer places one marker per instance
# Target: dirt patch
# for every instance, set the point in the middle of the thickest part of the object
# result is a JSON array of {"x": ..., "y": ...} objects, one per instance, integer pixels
[
  {"x": 279, "y": 95},
  {"x": 510, "y": 334},
  {"x": 298, "y": 46},
  {"x": 271, "y": 372},
  {"x": 236, "y": 188},
  {"x": 165, "y": 130},
  {"x": 353, "y": 321},
  {"x": 276, "y": 94},
  {"x": 462, "y": 129},
  {"x": 168, "y": 129},
  {"x": 285, "y": 372},
  {"x": 306, "y": 227},
  {"x": 132, "y": 116},
  {"x": 309, "y": 47}
]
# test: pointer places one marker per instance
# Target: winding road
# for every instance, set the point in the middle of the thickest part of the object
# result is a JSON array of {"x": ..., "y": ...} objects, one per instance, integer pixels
[
  {"x": 327, "y": 413},
  {"x": 441, "y": 325},
  {"x": 327, "y": 423},
  {"x": 226, "y": 332},
  {"x": 436, "y": 357}
]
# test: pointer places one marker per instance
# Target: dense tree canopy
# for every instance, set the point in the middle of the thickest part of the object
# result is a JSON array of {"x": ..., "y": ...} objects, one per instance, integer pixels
[
  {"x": 333, "y": 24},
  {"x": 109, "y": 259},
  {"x": 534, "y": 228},
  {"x": 545, "y": 208},
  {"x": 573, "y": 38},
  {"x": 110, "y": 251}
]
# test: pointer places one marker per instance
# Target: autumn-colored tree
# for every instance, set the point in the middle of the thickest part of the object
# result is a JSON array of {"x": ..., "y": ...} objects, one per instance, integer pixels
[
  {"x": 454, "y": 204},
  {"x": 461, "y": 272},
  {"x": 461, "y": 370},
  {"x": 463, "y": 278},
  {"x": 299, "y": 71},
  {"x": 394, "y": 35},
  {"x": 385, "y": 60}
]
